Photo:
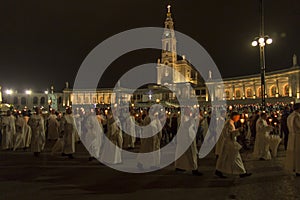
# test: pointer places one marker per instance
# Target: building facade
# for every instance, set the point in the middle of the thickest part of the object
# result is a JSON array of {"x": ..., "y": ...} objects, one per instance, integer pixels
[{"x": 174, "y": 73}]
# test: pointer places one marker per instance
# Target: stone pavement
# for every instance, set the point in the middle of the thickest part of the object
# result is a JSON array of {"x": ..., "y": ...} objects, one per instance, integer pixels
[{"x": 23, "y": 177}]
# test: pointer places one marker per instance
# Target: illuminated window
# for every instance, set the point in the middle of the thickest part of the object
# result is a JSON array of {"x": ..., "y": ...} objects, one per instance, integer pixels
[{"x": 249, "y": 92}]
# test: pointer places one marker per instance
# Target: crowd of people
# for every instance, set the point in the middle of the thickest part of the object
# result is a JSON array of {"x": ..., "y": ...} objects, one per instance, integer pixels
[{"x": 101, "y": 130}]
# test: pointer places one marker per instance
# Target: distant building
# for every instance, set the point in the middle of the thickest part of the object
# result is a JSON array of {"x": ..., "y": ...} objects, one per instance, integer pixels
[{"x": 281, "y": 86}]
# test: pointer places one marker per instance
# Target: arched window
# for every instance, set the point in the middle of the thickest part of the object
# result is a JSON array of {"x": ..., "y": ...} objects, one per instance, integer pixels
[
  {"x": 43, "y": 100},
  {"x": 286, "y": 90},
  {"x": 167, "y": 46},
  {"x": 16, "y": 100},
  {"x": 23, "y": 101},
  {"x": 35, "y": 100},
  {"x": 238, "y": 93},
  {"x": 227, "y": 94},
  {"x": 79, "y": 100},
  {"x": 87, "y": 100},
  {"x": 94, "y": 99},
  {"x": 258, "y": 92},
  {"x": 59, "y": 100},
  {"x": 273, "y": 91},
  {"x": 249, "y": 92}
]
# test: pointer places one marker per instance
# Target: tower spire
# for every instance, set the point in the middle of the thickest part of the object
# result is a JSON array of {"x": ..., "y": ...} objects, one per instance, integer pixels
[{"x": 169, "y": 9}]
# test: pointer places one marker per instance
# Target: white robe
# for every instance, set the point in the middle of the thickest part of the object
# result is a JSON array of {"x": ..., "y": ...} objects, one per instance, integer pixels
[
  {"x": 293, "y": 148},
  {"x": 230, "y": 160},
  {"x": 53, "y": 127},
  {"x": 27, "y": 133},
  {"x": 8, "y": 131},
  {"x": 188, "y": 160},
  {"x": 36, "y": 122},
  {"x": 129, "y": 135},
  {"x": 20, "y": 133},
  {"x": 68, "y": 127},
  {"x": 149, "y": 155},
  {"x": 112, "y": 147},
  {"x": 94, "y": 135},
  {"x": 78, "y": 121},
  {"x": 262, "y": 140}
]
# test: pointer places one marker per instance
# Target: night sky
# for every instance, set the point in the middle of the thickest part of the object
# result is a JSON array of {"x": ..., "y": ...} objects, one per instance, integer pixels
[{"x": 44, "y": 42}]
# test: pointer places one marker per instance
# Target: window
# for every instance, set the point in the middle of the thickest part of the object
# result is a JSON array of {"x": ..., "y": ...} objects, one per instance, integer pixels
[
  {"x": 35, "y": 100},
  {"x": 198, "y": 92},
  {"x": 238, "y": 94},
  {"x": 286, "y": 90},
  {"x": 23, "y": 101},
  {"x": 258, "y": 92},
  {"x": 249, "y": 92},
  {"x": 227, "y": 94},
  {"x": 59, "y": 100},
  {"x": 16, "y": 100},
  {"x": 43, "y": 100},
  {"x": 273, "y": 91}
]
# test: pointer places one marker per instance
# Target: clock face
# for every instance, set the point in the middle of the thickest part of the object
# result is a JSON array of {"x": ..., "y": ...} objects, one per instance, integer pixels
[{"x": 167, "y": 34}]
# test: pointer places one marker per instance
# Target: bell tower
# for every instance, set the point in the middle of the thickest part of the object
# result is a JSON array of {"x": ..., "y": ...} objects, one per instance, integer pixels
[{"x": 169, "y": 54}]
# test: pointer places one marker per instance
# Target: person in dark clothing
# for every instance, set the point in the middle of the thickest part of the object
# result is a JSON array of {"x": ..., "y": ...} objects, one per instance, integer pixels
[{"x": 284, "y": 127}]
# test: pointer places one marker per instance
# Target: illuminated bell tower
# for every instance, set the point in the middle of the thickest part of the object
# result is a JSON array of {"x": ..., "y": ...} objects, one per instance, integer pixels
[{"x": 169, "y": 54}]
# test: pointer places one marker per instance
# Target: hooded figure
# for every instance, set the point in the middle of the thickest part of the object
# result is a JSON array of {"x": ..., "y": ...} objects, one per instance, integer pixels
[{"x": 293, "y": 148}]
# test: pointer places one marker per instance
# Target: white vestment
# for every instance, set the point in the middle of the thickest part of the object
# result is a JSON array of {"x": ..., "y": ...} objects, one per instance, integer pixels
[
  {"x": 8, "y": 131},
  {"x": 27, "y": 133},
  {"x": 230, "y": 160},
  {"x": 53, "y": 127},
  {"x": 68, "y": 127},
  {"x": 149, "y": 155},
  {"x": 129, "y": 135},
  {"x": 262, "y": 140},
  {"x": 188, "y": 160},
  {"x": 20, "y": 133},
  {"x": 112, "y": 147},
  {"x": 293, "y": 148},
  {"x": 94, "y": 135},
  {"x": 36, "y": 122}
]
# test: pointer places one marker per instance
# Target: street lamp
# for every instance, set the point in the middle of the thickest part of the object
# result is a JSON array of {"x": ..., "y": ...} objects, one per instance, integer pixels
[
  {"x": 9, "y": 92},
  {"x": 29, "y": 92},
  {"x": 262, "y": 41}
]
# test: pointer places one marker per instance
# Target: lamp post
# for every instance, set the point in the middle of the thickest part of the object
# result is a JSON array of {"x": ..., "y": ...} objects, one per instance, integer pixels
[{"x": 262, "y": 41}]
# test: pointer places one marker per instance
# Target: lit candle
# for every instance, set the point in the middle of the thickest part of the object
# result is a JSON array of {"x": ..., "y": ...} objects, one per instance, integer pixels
[
  {"x": 270, "y": 120},
  {"x": 242, "y": 121}
]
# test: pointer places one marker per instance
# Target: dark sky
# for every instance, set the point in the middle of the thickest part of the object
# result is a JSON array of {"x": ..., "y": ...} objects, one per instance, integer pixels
[{"x": 44, "y": 42}]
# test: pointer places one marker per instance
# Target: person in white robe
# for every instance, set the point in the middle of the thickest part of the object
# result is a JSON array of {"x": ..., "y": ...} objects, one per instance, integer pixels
[
  {"x": 20, "y": 132},
  {"x": 27, "y": 132},
  {"x": 293, "y": 148},
  {"x": 129, "y": 132},
  {"x": 149, "y": 154},
  {"x": 8, "y": 130},
  {"x": 94, "y": 135},
  {"x": 188, "y": 161},
  {"x": 68, "y": 130},
  {"x": 262, "y": 141},
  {"x": 229, "y": 160},
  {"x": 53, "y": 126},
  {"x": 38, "y": 138},
  {"x": 220, "y": 124},
  {"x": 113, "y": 142},
  {"x": 78, "y": 120}
]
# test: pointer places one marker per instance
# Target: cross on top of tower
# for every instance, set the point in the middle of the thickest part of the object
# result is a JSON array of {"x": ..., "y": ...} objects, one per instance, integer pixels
[{"x": 169, "y": 8}]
